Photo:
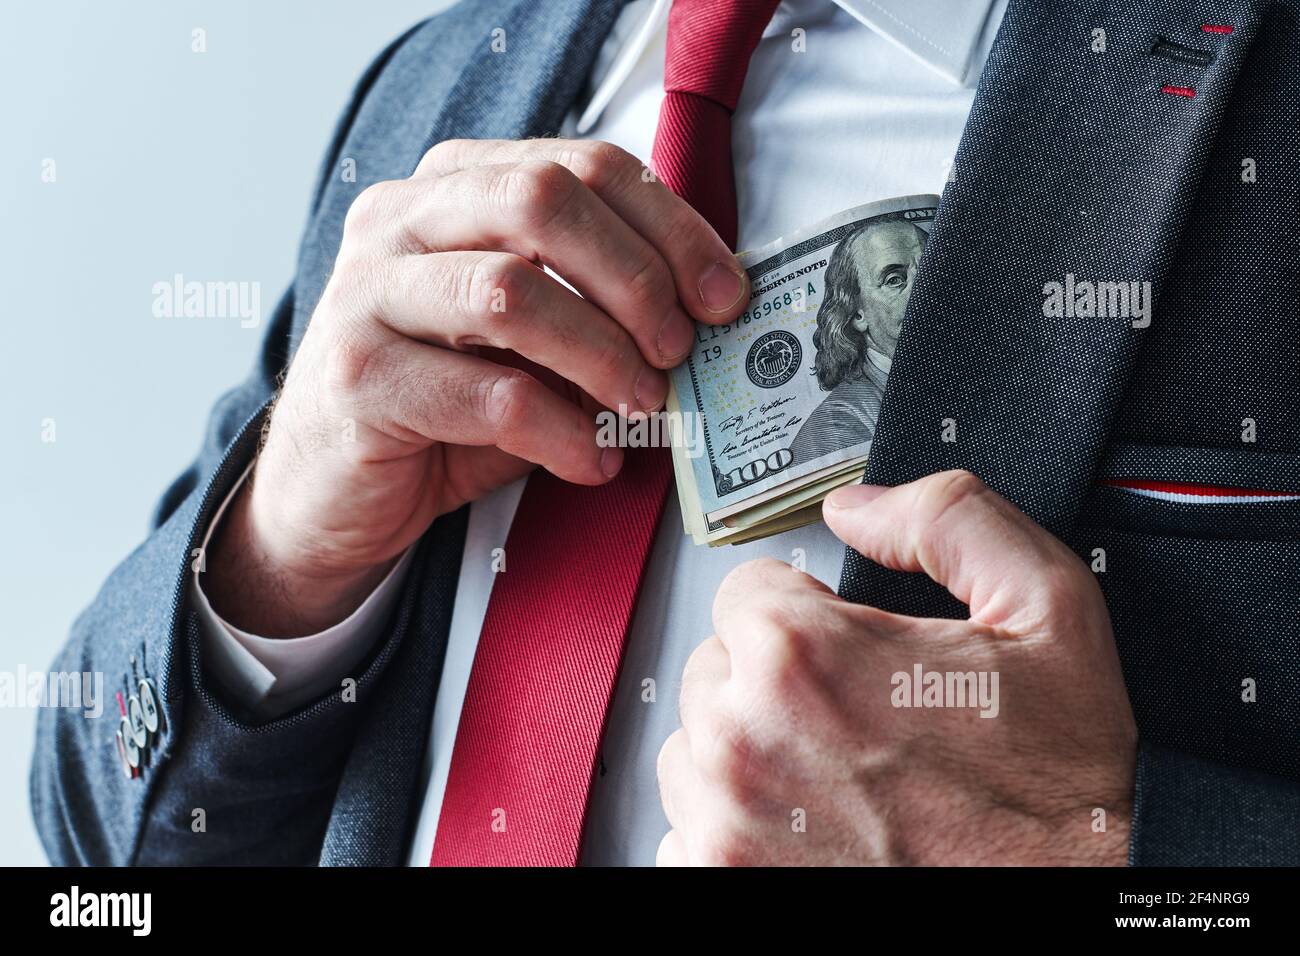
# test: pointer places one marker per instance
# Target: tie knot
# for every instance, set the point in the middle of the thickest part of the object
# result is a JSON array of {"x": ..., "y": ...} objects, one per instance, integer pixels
[{"x": 709, "y": 46}]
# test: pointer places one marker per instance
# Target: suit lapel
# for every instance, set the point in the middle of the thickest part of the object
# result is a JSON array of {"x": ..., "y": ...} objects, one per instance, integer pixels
[
  {"x": 444, "y": 81},
  {"x": 1074, "y": 163}
]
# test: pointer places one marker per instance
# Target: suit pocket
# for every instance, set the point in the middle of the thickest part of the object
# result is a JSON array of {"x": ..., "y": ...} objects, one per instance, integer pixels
[
  {"x": 1208, "y": 633},
  {"x": 1204, "y": 598},
  {"x": 1260, "y": 499}
]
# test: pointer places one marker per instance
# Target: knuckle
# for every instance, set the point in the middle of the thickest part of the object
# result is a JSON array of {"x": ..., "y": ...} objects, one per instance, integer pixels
[
  {"x": 740, "y": 583},
  {"x": 443, "y": 155},
  {"x": 667, "y": 853},
  {"x": 784, "y": 659},
  {"x": 777, "y": 614},
  {"x": 603, "y": 166},
  {"x": 507, "y": 399},
  {"x": 344, "y": 326},
  {"x": 650, "y": 284},
  {"x": 664, "y": 763},
  {"x": 349, "y": 361},
  {"x": 785, "y": 655},
  {"x": 789, "y": 675},
  {"x": 350, "y": 291},
  {"x": 741, "y": 578},
  {"x": 697, "y": 665},
  {"x": 949, "y": 487},
  {"x": 373, "y": 205},
  {"x": 536, "y": 193},
  {"x": 764, "y": 566},
  {"x": 615, "y": 358},
  {"x": 940, "y": 495},
  {"x": 726, "y": 755},
  {"x": 497, "y": 285}
]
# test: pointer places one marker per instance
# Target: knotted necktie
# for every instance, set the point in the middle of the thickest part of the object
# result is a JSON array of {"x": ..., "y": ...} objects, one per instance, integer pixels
[{"x": 552, "y": 641}]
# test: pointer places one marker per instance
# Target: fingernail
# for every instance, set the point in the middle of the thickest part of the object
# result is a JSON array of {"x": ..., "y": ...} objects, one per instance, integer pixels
[
  {"x": 854, "y": 496},
  {"x": 611, "y": 460},
  {"x": 676, "y": 336},
  {"x": 721, "y": 287},
  {"x": 651, "y": 388}
]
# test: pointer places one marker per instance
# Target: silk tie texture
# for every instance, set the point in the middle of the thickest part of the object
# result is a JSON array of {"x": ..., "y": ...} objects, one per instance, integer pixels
[{"x": 552, "y": 642}]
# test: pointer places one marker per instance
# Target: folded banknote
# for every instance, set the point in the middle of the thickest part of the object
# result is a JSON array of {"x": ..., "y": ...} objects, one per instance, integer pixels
[{"x": 776, "y": 409}]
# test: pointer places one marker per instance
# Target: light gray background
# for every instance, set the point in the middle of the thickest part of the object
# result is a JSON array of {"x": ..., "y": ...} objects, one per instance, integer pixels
[{"x": 167, "y": 161}]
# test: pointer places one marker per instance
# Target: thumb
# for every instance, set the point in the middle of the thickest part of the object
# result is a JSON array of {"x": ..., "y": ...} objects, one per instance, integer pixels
[{"x": 964, "y": 536}]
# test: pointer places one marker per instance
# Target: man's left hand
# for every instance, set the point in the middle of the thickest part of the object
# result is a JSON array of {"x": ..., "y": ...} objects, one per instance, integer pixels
[{"x": 805, "y": 741}]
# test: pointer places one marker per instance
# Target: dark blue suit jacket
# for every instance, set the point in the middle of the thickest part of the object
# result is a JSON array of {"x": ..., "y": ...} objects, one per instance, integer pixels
[{"x": 1073, "y": 162}]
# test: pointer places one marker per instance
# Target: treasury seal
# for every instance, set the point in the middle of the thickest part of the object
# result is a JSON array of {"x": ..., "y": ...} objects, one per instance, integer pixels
[{"x": 773, "y": 359}]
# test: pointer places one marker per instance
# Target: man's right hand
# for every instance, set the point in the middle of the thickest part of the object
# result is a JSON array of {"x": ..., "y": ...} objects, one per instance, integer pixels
[{"x": 408, "y": 396}]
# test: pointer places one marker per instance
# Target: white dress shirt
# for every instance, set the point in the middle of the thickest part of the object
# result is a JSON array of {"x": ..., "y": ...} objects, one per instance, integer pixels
[{"x": 845, "y": 102}]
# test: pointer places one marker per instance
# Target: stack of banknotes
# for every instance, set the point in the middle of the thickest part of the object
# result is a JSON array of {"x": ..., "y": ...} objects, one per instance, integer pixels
[{"x": 773, "y": 411}]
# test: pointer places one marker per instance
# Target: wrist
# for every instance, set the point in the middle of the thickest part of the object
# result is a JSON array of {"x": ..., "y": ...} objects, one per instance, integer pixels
[
  {"x": 1097, "y": 832},
  {"x": 1108, "y": 847},
  {"x": 259, "y": 580}
]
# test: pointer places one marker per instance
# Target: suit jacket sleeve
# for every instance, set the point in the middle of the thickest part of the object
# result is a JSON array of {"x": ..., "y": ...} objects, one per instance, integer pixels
[
  {"x": 220, "y": 787},
  {"x": 1192, "y": 812}
]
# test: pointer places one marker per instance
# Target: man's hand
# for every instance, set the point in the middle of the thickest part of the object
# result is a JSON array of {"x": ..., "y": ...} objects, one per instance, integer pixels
[
  {"x": 442, "y": 361},
  {"x": 796, "y": 748}
]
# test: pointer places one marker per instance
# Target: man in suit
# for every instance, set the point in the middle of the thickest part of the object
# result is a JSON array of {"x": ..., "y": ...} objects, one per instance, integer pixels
[
  {"x": 373, "y": 640},
  {"x": 868, "y": 282}
]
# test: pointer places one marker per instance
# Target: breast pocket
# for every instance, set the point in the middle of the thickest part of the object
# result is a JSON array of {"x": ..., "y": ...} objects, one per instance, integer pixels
[
  {"x": 1197, "y": 492},
  {"x": 1204, "y": 597}
]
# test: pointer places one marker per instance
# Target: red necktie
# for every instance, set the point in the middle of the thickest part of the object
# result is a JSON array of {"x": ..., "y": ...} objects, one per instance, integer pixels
[{"x": 552, "y": 641}]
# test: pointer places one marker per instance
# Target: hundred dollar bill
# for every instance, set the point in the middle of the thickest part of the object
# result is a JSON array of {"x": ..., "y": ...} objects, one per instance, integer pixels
[{"x": 786, "y": 397}]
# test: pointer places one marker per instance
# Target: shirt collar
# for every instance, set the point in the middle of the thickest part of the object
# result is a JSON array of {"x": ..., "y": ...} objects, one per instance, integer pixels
[{"x": 942, "y": 34}]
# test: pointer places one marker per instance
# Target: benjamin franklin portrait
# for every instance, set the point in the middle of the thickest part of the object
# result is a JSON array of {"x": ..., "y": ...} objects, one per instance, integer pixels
[{"x": 868, "y": 283}]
